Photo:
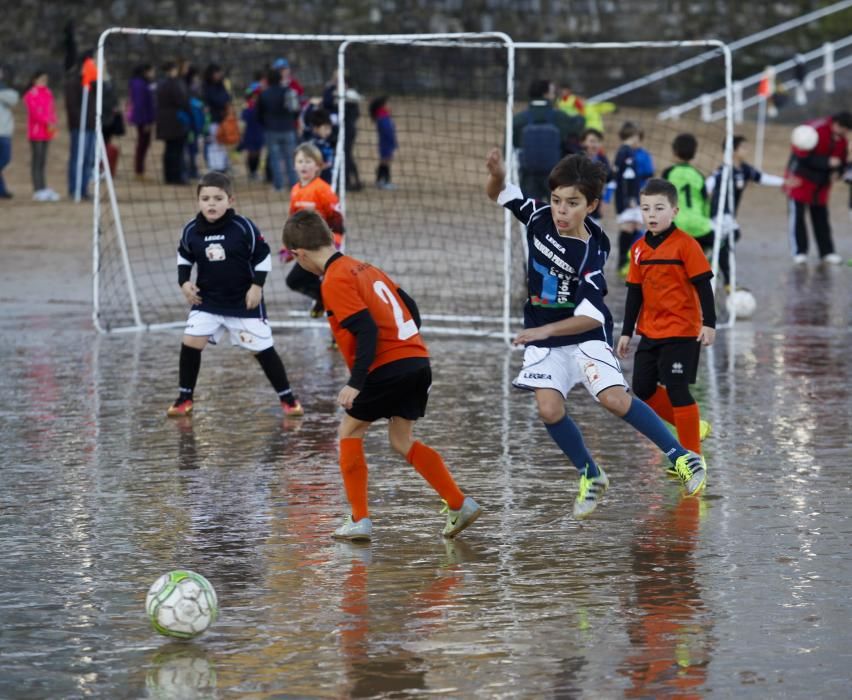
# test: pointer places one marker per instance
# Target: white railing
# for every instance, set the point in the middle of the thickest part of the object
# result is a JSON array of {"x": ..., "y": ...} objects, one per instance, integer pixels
[{"x": 705, "y": 102}]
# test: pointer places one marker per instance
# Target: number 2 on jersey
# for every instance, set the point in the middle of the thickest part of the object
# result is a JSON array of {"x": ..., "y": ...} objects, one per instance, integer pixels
[{"x": 405, "y": 329}]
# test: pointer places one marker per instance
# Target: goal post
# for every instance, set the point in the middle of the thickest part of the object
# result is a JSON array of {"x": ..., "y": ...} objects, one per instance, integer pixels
[{"x": 437, "y": 235}]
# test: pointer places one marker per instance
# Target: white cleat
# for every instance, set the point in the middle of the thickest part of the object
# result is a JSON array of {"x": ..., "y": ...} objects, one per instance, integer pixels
[
  {"x": 458, "y": 520},
  {"x": 354, "y": 531}
]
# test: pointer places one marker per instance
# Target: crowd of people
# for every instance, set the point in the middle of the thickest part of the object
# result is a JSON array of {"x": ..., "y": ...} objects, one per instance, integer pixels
[{"x": 200, "y": 120}]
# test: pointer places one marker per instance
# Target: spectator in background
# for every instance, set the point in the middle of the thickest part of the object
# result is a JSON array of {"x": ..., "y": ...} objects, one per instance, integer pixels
[
  {"x": 112, "y": 122},
  {"x": 809, "y": 176},
  {"x": 41, "y": 130},
  {"x": 73, "y": 112},
  {"x": 386, "y": 129},
  {"x": 172, "y": 100},
  {"x": 197, "y": 122},
  {"x": 321, "y": 130},
  {"x": 253, "y": 137},
  {"x": 351, "y": 114},
  {"x": 543, "y": 134},
  {"x": 282, "y": 65},
  {"x": 277, "y": 111},
  {"x": 142, "y": 113},
  {"x": 8, "y": 99},
  {"x": 217, "y": 99}
]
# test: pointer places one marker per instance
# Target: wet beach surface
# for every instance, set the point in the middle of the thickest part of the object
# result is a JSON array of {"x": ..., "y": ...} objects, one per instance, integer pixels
[{"x": 741, "y": 593}]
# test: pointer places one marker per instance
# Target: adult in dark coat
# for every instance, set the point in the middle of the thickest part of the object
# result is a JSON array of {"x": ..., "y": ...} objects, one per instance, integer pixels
[{"x": 172, "y": 116}]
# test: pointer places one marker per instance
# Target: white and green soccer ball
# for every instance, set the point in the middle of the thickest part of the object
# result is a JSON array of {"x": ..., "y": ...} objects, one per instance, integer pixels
[{"x": 181, "y": 604}]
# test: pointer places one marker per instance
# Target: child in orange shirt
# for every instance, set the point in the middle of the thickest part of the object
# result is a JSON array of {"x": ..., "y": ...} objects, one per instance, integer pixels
[
  {"x": 668, "y": 289},
  {"x": 377, "y": 327},
  {"x": 312, "y": 193}
]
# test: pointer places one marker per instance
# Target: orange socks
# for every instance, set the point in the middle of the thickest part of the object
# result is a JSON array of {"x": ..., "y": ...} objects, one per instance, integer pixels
[
  {"x": 353, "y": 468},
  {"x": 431, "y": 467},
  {"x": 662, "y": 405},
  {"x": 686, "y": 421}
]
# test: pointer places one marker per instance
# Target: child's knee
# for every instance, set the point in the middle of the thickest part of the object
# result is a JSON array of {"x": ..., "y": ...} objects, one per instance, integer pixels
[
  {"x": 615, "y": 400},
  {"x": 550, "y": 410}
]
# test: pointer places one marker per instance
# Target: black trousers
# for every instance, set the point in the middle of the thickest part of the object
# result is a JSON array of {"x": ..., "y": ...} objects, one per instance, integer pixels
[
  {"x": 799, "y": 230},
  {"x": 173, "y": 162}
]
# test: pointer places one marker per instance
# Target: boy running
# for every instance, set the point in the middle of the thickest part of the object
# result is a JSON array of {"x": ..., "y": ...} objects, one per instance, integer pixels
[
  {"x": 375, "y": 325},
  {"x": 232, "y": 261},
  {"x": 668, "y": 289},
  {"x": 567, "y": 325}
]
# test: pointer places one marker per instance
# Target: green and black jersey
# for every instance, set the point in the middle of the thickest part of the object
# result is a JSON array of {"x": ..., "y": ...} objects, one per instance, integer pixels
[{"x": 692, "y": 199}]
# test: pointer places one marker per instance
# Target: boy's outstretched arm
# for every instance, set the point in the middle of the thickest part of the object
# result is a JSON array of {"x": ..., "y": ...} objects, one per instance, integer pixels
[{"x": 496, "y": 174}]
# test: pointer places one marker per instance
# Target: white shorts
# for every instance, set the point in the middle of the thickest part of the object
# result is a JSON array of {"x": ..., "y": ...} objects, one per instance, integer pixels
[
  {"x": 633, "y": 215},
  {"x": 250, "y": 333},
  {"x": 593, "y": 363}
]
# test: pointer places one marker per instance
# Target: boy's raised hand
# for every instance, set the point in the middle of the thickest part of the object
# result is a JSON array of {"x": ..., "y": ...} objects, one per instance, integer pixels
[
  {"x": 494, "y": 163},
  {"x": 623, "y": 347}
]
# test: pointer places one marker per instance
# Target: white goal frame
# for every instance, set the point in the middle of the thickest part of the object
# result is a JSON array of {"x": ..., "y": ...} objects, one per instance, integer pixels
[{"x": 465, "y": 39}]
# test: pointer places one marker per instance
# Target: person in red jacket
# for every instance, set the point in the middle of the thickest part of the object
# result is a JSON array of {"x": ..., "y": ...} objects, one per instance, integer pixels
[{"x": 809, "y": 176}]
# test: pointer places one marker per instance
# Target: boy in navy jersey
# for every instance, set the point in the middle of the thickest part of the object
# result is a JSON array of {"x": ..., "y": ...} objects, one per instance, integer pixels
[
  {"x": 567, "y": 326},
  {"x": 232, "y": 261},
  {"x": 741, "y": 174}
]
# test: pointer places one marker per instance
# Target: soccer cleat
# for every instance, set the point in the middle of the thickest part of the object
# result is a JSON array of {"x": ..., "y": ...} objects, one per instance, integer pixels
[
  {"x": 360, "y": 531},
  {"x": 181, "y": 407},
  {"x": 704, "y": 430},
  {"x": 591, "y": 491},
  {"x": 292, "y": 410},
  {"x": 692, "y": 472},
  {"x": 317, "y": 310},
  {"x": 458, "y": 520}
]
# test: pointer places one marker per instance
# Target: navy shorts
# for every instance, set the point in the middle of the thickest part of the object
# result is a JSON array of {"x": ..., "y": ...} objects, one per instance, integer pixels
[{"x": 404, "y": 395}]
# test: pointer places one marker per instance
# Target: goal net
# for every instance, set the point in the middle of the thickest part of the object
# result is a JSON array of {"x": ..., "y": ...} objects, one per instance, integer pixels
[
  {"x": 435, "y": 232},
  {"x": 655, "y": 86}
]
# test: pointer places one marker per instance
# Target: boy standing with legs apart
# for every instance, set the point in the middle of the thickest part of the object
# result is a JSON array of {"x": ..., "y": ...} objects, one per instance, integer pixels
[
  {"x": 567, "y": 325},
  {"x": 233, "y": 261},
  {"x": 375, "y": 324},
  {"x": 668, "y": 289}
]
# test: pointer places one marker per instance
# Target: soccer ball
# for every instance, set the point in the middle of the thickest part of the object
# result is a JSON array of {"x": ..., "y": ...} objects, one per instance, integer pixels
[
  {"x": 181, "y": 604},
  {"x": 804, "y": 137},
  {"x": 741, "y": 303}
]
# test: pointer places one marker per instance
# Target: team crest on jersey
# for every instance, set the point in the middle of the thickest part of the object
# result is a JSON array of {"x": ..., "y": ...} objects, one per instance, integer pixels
[
  {"x": 592, "y": 373},
  {"x": 215, "y": 252}
]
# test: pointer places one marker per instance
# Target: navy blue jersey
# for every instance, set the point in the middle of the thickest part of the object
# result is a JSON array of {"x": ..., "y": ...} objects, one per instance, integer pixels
[
  {"x": 564, "y": 274},
  {"x": 740, "y": 177},
  {"x": 230, "y": 255},
  {"x": 626, "y": 179}
]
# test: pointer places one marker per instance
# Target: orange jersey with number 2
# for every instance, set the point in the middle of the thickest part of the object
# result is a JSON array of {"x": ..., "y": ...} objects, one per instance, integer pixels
[{"x": 350, "y": 286}]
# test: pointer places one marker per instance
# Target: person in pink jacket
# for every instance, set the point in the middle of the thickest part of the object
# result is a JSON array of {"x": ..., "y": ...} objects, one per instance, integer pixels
[{"x": 41, "y": 129}]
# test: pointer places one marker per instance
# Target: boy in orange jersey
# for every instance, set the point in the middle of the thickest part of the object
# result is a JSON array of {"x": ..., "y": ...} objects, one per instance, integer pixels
[
  {"x": 376, "y": 326},
  {"x": 668, "y": 289},
  {"x": 312, "y": 193}
]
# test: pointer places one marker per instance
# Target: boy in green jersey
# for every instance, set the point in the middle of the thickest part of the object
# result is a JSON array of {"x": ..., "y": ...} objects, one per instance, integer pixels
[{"x": 692, "y": 200}]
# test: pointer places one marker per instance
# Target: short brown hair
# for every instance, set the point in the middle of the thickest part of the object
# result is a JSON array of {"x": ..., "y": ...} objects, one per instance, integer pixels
[
  {"x": 309, "y": 150},
  {"x": 581, "y": 172},
  {"x": 656, "y": 186},
  {"x": 216, "y": 179},
  {"x": 628, "y": 130},
  {"x": 306, "y": 230}
]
